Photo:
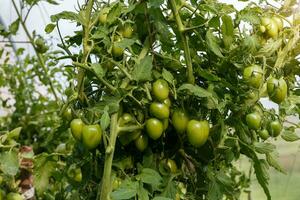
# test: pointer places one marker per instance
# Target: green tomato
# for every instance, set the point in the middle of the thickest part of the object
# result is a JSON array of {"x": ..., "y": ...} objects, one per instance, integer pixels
[
  {"x": 266, "y": 21},
  {"x": 116, "y": 183},
  {"x": 2, "y": 194},
  {"x": 127, "y": 31},
  {"x": 167, "y": 102},
  {"x": 141, "y": 143},
  {"x": 264, "y": 134},
  {"x": 275, "y": 128},
  {"x": 170, "y": 164},
  {"x": 91, "y": 136},
  {"x": 278, "y": 22},
  {"x": 76, "y": 128},
  {"x": 253, "y": 75},
  {"x": 40, "y": 45},
  {"x": 160, "y": 89},
  {"x": 272, "y": 30},
  {"x": 77, "y": 175},
  {"x": 117, "y": 51},
  {"x": 103, "y": 15},
  {"x": 197, "y": 132},
  {"x": 277, "y": 89},
  {"x": 154, "y": 128},
  {"x": 159, "y": 110},
  {"x": 68, "y": 114},
  {"x": 126, "y": 119},
  {"x": 165, "y": 123},
  {"x": 253, "y": 120},
  {"x": 262, "y": 29},
  {"x": 14, "y": 196},
  {"x": 180, "y": 121}
]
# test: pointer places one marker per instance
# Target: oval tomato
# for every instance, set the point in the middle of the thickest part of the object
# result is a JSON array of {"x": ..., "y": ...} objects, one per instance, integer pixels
[
  {"x": 91, "y": 136},
  {"x": 77, "y": 175},
  {"x": 154, "y": 128},
  {"x": 159, "y": 110},
  {"x": 264, "y": 134},
  {"x": 141, "y": 143},
  {"x": 68, "y": 114},
  {"x": 275, "y": 128},
  {"x": 253, "y": 75},
  {"x": 277, "y": 89},
  {"x": 197, "y": 132},
  {"x": 76, "y": 128},
  {"x": 180, "y": 121},
  {"x": 117, "y": 51},
  {"x": 103, "y": 15},
  {"x": 127, "y": 31},
  {"x": 272, "y": 30},
  {"x": 253, "y": 120},
  {"x": 278, "y": 21},
  {"x": 160, "y": 89},
  {"x": 170, "y": 165},
  {"x": 126, "y": 119}
]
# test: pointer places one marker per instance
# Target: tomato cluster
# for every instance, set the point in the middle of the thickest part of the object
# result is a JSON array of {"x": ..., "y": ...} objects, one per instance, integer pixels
[{"x": 264, "y": 127}]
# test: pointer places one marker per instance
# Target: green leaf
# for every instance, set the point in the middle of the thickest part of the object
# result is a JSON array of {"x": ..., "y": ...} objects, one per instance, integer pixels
[
  {"x": 14, "y": 27},
  {"x": 227, "y": 30},
  {"x": 127, "y": 190},
  {"x": 49, "y": 28},
  {"x": 98, "y": 69},
  {"x": 105, "y": 119},
  {"x": 124, "y": 43},
  {"x": 195, "y": 90},
  {"x": 67, "y": 15},
  {"x": 214, "y": 191},
  {"x": 151, "y": 177},
  {"x": 161, "y": 198},
  {"x": 167, "y": 76},
  {"x": 114, "y": 12},
  {"x": 274, "y": 163},
  {"x": 264, "y": 148},
  {"x": 212, "y": 43},
  {"x": 142, "y": 193},
  {"x": 289, "y": 136},
  {"x": 155, "y": 3},
  {"x": 143, "y": 69},
  {"x": 9, "y": 163}
]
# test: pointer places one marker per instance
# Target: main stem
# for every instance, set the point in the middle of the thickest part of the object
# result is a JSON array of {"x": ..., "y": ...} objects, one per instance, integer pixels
[
  {"x": 185, "y": 39},
  {"x": 109, "y": 155},
  {"x": 40, "y": 58}
]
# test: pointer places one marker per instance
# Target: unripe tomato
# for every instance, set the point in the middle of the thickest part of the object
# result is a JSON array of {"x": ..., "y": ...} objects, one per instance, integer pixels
[
  {"x": 165, "y": 123},
  {"x": 117, "y": 51},
  {"x": 116, "y": 183},
  {"x": 275, "y": 128},
  {"x": 180, "y": 121},
  {"x": 141, "y": 143},
  {"x": 197, "y": 132},
  {"x": 160, "y": 89},
  {"x": 14, "y": 196},
  {"x": 253, "y": 120},
  {"x": 77, "y": 175},
  {"x": 154, "y": 128},
  {"x": 253, "y": 75},
  {"x": 272, "y": 30},
  {"x": 40, "y": 45},
  {"x": 126, "y": 119},
  {"x": 264, "y": 134},
  {"x": 262, "y": 29},
  {"x": 266, "y": 21},
  {"x": 167, "y": 102},
  {"x": 127, "y": 31},
  {"x": 159, "y": 110},
  {"x": 103, "y": 15},
  {"x": 277, "y": 89},
  {"x": 76, "y": 128},
  {"x": 68, "y": 114},
  {"x": 278, "y": 22},
  {"x": 2, "y": 194},
  {"x": 170, "y": 164},
  {"x": 91, "y": 136}
]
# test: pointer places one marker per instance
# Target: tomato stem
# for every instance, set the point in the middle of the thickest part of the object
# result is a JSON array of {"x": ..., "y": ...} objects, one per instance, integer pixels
[
  {"x": 184, "y": 37},
  {"x": 105, "y": 187}
]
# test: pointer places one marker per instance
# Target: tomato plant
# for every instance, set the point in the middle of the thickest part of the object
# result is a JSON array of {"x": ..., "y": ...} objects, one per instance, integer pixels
[{"x": 161, "y": 97}]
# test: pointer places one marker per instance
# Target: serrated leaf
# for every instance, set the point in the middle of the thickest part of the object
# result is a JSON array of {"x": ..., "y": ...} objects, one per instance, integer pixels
[
  {"x": 151, "y": 177},
  {"x": 142, "y": 193},
  {"x": 264, "y": 148},
  {"x": 124, "y": 43},
  {"x": 227, "y": 30},
  {"x": 274, "y": 163},
  {"x": 143, "y": 70},
  {"x": 195, "y": 90},
  {"x": 14, "y": 27},
  {"x": 127, "y": 190},
  {"x": 289, "y": 136},
  {"x": 9, "y": 163},
  {"x": 98, "y": 69},
  {"x": 155, "y": 3},
  {"x": 49, "y": 28},
  {"x": 67, "y": 15},
  {"x": 212, "y": 43},
  {"x": 167, "y": 76},
  {"x": 105, "y": 119},
  {"x": 214, "y": 191}
]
